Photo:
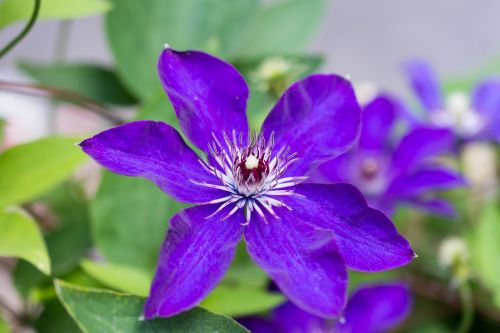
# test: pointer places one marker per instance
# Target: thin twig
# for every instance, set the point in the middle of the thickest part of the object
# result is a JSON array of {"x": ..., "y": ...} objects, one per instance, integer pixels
[
  {"x": 61, "y": 94},
  {"x": 24, "y": 32},
  {"x": 8, "y": 309},
  {"x": 440, "y": 292}
]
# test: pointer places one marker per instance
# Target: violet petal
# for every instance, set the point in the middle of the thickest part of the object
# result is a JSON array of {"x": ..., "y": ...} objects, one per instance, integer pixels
[
  {"x": 194, "y": 257},
  {"x": 486, "y": 101},
  {"x": 156, "y": 151},
  {"x": 433, "y": 205},
  {"x": 290, "y": 318},
  {"x": 378, "y": 119},
  {"x": 302, "y": 260},
  {"x": 376, "y": 308},
  {"x": 367, "y": 239},
  {"x": 208, "y": 95},
  {"x": 424, "y": 82},
  {"x": 420, "y": 145},
  {"x": 318, "y": 118},
  {"x": 424, "y": 180}
]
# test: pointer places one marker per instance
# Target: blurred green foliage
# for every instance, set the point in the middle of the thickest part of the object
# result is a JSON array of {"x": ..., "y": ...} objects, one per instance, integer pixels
[
  {"x": 28, "y": 170},
  {"x": 21, "y": 238}
]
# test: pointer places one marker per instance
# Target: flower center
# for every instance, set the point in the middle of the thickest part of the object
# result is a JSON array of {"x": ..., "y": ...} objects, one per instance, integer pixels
[
  {"x": 250, "y": 174},
  {"x": 371, "y": 175},
  {"x": 458, "y": 114},
  {"x": 253, "y": 170},
  {"x": 369, "y": 168}
]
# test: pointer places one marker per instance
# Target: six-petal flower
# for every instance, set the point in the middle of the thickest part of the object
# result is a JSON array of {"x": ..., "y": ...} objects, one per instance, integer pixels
[
  {"x": 303, "y": 235},
  {"x": 389, "y": 173}
]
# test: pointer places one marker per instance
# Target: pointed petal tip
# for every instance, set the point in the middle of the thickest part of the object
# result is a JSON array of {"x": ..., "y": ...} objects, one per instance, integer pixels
[
  {"x": 167, "y": 46},
  {"x": 415, "y": 255}
]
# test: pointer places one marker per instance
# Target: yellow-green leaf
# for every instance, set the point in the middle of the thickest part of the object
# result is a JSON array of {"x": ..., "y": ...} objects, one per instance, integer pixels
[
  {"x": 17, "y": 10},
  {"x": 240, "y": 300},
  {"x": 29, "y": 170},
  {"x": 21, "y": 238},
  {"x": 136, "y": 282}
]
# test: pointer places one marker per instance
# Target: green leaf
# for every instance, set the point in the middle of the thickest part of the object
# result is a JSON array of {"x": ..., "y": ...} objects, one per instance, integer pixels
[
  {"x": 111, "y": 275},
  {"x": 98, "y": 311},
  {"x": 93, "y": 81},
  {"x": 21, "y": 238},
  {"x": 3, "y": 326},
  {"x": 244, "y": 272},
  {"x": 159, "y": 108},
  {"x": 29, "y": 170},
  {"x": 266, "y": 34},
  {"x": 210, "y": 25},
  {"x": 357, "y": 279},
  {"x": 67, "y": 243},
  {"x": 2, "y": 131},
  {"x": 18, "y": 10},
  {"x": 70, "y": 241},
  {"x": 228, "y": 298},
  {"x": 485, "y": 246},
  {"x": 240, "y": 301},
  {"x": 54, "y": 318},
  {"x": 467, "y": 81},
  {"x": 129, "y": 218}
]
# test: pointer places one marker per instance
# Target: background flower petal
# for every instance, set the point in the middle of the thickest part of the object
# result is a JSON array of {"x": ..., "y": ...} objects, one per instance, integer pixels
[
  {"x": 432, "y": 205},
  {"x": 367, "y": 239},
  {"x": 290, "y": 318},
  {"x": 420, "y": 146},
  {"x": 425, "y": 180},
  {"x": 193, "y": 259},
  {"x": 376, "y": 308},
  {"x": 258, "y": 325},
  {"x": 486, "y": 101},
  {"x": 425, "y": 84},
  {"x": 318, "y": 118},
  {"x": 156, "y": 151},
  {"x": 302, "y": 260},
  {"x": 208, "y": 94},
  {"x": 378, "y": 120}
]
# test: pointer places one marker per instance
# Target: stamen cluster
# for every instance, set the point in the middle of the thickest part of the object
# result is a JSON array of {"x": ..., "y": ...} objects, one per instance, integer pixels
[{"x": 250, "y": 174}]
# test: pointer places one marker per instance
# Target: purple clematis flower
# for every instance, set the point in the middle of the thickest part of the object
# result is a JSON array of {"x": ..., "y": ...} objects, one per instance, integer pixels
[
  {"x": 303, "y": 235},
  {"x": 475, "y": 117},
  {"x": 371, "y": 309},
  {"x": 388, "y": 173}
]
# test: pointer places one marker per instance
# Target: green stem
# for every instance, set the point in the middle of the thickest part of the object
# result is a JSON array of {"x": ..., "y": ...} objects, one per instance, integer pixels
[
  {"x": 25, "y": 31},
  {"x": 467, "y": 308}
]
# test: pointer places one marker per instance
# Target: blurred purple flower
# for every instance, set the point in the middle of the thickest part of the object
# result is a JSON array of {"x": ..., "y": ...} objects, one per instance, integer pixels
[
  {"x": 474, "y": 117},
  {"x": 252, "y": 187},
  {"x": 388, "y": 173},
  {"x": 371, "y": 309}
]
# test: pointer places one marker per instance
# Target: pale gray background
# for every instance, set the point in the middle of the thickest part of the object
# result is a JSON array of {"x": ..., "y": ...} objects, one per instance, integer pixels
[{"x": 367, "y": 39}]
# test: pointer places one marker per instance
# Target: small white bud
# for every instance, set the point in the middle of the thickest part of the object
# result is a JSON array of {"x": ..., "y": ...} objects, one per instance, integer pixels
[
  {"x": 452, "y": 250},
  {"x": 273, "y": 67},
  {"x": 479, "y": 162},
  {"x": 365, "y": 92}
]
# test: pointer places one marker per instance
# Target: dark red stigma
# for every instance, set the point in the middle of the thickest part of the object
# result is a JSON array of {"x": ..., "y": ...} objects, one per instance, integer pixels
[{"x": 258, "y": 172}]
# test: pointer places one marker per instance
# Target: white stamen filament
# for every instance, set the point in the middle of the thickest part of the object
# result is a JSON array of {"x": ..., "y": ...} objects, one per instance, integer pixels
[{"x": 250, "y": 176}]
